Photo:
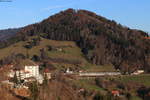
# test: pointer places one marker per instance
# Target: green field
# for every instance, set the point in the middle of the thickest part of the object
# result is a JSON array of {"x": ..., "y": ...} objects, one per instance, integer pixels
[
  {"x": 88, "y": 84},
  {"x": 142, "y": 79},
  {"x": 19, "y": 48},
  {"x": 98, "y": 68},
  {"x": 135, "y": 98}
]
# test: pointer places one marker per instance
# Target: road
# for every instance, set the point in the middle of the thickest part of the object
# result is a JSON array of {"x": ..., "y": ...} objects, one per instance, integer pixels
[{"x": 94, "y": 74}]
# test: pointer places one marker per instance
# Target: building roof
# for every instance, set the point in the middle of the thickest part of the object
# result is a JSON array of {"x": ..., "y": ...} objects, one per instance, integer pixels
[
  {"x": 146, "y": 37},
  {"x": 115, "y": 92},
  {"x": 21, "y": 64},
  {"x": 28, "y": 62},
  {"x": 47, "y": 70}
]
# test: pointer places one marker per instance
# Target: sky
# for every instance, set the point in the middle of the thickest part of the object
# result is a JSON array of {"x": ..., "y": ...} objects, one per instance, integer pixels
[{"x": 132, "y": 13}]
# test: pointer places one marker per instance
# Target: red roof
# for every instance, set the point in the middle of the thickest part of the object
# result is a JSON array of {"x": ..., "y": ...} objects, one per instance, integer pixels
[
  {"x": 46, "y": 70},
  {"x": 115, "y": 92},
  {"x": 146, "y": 37}
]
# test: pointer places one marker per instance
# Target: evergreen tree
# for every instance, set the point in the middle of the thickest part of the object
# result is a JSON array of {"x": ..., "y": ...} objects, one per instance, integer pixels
[
  {"x": 128, "y": 96},
  {"x": 98, "y": 97},
  {"x": 45, "y": 82},
  {"x": 35, "y": 58},
  {"x": 109, "y": 96},
  {"x": 34, "y": 90},
  {"x": 15, "y": 79}
]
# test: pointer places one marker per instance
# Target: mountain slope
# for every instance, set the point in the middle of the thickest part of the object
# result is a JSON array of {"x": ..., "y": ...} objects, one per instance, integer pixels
[
  {"x": 102, "y": 41},
  {"x": 63, "y": 54}
]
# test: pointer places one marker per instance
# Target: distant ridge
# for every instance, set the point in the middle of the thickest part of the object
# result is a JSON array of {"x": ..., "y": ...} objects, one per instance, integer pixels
[{"x": 7, "y": 33}]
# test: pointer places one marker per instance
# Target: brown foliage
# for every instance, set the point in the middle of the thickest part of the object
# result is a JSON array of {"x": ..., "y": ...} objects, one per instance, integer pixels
[{"x": 6, "y": 95}]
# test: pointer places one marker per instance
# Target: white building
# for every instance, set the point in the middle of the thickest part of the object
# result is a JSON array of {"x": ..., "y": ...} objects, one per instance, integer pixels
[
  {"x": 68, "y": 71},
  {"x": 138, "y": 72},
  {"x": 31, "y": 71},
  {"x": 26, "y": 70}
]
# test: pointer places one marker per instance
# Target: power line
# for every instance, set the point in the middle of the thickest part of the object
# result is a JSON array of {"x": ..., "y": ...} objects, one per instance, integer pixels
[{"x": 5, "y": 0}]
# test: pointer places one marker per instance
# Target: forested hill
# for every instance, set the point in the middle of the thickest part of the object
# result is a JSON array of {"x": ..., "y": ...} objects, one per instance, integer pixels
[{"x": 102, "y": 41}]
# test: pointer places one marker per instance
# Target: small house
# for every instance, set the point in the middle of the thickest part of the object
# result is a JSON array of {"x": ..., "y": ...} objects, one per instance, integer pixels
[
  {"x": 68, "y": 71},
  {"x": 146, "y": 37},
  {"x": 138, "y": 72},
  {"x": 115, "y": 93},
  {"x": 81, "y": 90},
  {"x": 47, "y": 73}
]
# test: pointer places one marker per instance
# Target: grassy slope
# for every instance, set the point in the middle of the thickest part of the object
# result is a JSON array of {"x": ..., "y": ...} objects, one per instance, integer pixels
[
  {"x": 88, "y": 84},
  {"x": 142, "y": 79},
  {"x": 72, "y": 52},
  {"x": 18, "y": 48}
]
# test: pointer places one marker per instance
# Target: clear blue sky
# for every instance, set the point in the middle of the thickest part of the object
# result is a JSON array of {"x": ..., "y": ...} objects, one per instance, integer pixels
[{"x": 132, "y": 13}]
